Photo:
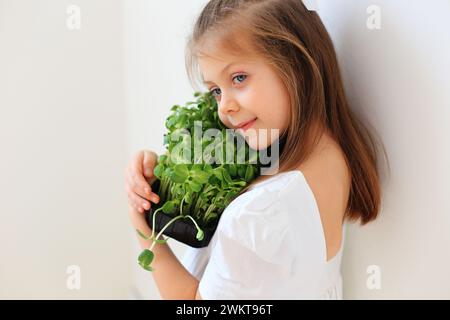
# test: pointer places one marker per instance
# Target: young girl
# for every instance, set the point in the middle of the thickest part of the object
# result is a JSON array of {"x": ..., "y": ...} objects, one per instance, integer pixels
[{"x": 272, "y": 62}]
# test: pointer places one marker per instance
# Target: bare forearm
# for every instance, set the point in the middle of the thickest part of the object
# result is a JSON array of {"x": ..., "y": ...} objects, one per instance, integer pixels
[{"x": 171, "y": 277}]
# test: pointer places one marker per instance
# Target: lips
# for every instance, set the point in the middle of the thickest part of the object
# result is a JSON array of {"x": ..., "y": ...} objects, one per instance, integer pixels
[{"x": 246, "y": 125}]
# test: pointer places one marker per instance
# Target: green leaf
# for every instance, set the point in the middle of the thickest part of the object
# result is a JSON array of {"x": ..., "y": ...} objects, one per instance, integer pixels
[
  {"x": 162, "y": 158},
  {"x": 195, "y": 186},
  {"x": 148, "y": 268},
  {"x": 178, "y": 191},
  {"x": 181, "y": 170},
  {"x": 168, "y": 207},
  {"x": 226, "y": 176},
  {"x": 145, "y": 259},
  {"x": 166, "y": 139},
  {"x": 180, "y": 173},
  {"x": 170, "y": 122},
  {"x": 182, "y": 121},
  {"x": 233, "y": 170},
  {"x": 200, "y": 235},
  {"x": 241, "y": 170},
  {"x": 188, "y": 197},
  {"x": 158, "y": 171},
  {"x": 249, "y": 173},
  {"x": 168, "y": 171},
  {"x": 218, "y": 174},
  {"x": 200, "y": 176}
]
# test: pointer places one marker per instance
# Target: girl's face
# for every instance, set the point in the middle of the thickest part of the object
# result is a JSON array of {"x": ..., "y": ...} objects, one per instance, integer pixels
[{"x": 248, "y": 89}]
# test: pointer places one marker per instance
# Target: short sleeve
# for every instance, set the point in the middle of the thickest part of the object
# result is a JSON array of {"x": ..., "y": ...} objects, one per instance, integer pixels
[{"x": 252, "y": 256}]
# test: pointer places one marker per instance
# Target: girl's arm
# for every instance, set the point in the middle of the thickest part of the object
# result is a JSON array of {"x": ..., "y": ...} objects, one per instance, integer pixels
[{"x": 171, "y": 277}]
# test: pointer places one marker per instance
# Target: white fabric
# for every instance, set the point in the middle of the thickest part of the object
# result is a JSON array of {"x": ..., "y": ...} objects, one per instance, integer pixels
[{"x": 269, "y": 244}]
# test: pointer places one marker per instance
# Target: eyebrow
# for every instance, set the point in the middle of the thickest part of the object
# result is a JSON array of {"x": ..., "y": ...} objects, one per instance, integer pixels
[{"x": 223, "y": 71}]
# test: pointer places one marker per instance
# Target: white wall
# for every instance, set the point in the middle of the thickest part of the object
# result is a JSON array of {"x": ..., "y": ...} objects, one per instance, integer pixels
[
  {"x": 63, "y": 151},
  {"x": 398, "y": 78}
]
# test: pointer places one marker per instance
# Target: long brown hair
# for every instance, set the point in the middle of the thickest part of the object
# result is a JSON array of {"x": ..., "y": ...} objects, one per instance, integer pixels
[{"x": 295, "y": 42}]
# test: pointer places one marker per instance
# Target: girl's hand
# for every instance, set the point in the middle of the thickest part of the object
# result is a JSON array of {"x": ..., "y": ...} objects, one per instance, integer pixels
[{"x": 138, "y": 180}]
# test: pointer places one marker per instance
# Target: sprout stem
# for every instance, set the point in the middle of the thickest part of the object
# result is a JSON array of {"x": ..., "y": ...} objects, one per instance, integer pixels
[
  {"x": 196, "y": 225},
  {"x": 162, "y": 230},
  {"x": 153, "y": 225}
]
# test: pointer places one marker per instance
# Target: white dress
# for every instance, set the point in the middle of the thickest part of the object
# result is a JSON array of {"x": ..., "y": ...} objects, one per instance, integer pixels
[{"x": 269, "y": 244}]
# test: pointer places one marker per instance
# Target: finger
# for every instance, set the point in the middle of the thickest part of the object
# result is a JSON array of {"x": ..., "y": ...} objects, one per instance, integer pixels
[
  {"x": 133, "y": 205},
  {"x": 138, "y": 184},
  {"x": 141, "y": 187},
  {"x": 143, "y": 191},
  {"x": 138, "y": 202},
  {"x": 149, "y": 163},
  {"x": 137, "y": 180},
  {"x": 136, "y": 208},
  {"x": 143, "y": 198}
]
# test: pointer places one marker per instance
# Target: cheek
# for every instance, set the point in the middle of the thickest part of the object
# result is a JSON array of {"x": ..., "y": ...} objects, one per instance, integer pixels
[
  {"x": 281, "y": 106},
  {"x": 267, "y": 98},
  {"x": 274, "y": 109},
  {"x": 224, "y": 120}
]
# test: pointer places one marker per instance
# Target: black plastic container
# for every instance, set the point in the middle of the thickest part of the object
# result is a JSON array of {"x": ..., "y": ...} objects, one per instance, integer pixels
[{"x": 182, "y": 230}]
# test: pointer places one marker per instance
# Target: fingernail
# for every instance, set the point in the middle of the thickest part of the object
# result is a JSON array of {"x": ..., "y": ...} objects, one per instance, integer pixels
[
  {"x": 145, "y": 205},
  {"x": 148, "y": 172}
]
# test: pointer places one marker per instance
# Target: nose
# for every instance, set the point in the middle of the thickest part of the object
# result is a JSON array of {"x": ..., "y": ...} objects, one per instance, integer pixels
[{"x": 227, "y": 105}]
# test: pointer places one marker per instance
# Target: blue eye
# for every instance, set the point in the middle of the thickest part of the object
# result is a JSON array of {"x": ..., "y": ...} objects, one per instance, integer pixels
[
  {"x": 240, "y": 75},
  {"x": 236, "y": 77}
]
